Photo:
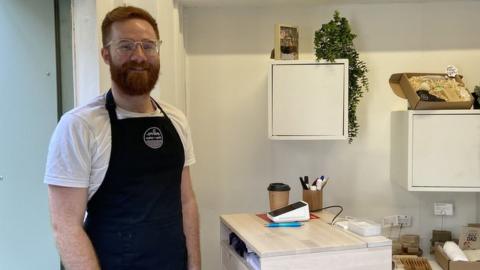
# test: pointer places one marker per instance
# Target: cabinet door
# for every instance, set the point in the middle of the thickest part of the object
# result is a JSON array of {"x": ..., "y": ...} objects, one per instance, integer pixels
[
  {"x": 446, "y": 150},
  {"x": 308, "y": 100}
]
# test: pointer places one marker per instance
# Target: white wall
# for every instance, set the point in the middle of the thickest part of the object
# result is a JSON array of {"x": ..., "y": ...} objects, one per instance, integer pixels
[
  {"x": 85, "y": 51},
  {"x": 227, "y": 56},
  {"x": 478, "y": 208}
]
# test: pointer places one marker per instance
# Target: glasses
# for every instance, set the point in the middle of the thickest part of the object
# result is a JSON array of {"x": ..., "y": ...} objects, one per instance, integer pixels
[{"x": 128, "y": 46}]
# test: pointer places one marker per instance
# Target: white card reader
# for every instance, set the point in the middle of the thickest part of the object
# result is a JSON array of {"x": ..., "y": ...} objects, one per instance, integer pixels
[{"x": 298, "y": 211}]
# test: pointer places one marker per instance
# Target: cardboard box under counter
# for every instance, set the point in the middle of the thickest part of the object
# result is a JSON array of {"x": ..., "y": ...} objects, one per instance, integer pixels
[
  {"x": 446, "y": 264},
  {"x": 401, "y": 87}
]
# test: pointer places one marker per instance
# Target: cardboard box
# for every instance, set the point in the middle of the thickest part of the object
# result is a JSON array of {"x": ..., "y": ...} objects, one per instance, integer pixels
[
  {"x": 469, "y": 238},
  {"x": 446, "y": 264},
  {"x": 402, "y": 88}
]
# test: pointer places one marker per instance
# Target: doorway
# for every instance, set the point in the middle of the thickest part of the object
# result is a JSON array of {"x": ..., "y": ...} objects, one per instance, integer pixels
[{"x": 30, "y": 103}]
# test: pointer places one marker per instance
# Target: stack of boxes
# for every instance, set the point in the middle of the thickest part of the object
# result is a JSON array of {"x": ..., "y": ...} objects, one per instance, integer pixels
[{"x": 408, "y": 244}]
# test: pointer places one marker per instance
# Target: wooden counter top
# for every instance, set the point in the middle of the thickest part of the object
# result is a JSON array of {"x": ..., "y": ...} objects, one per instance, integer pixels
[{"x": 315, "y": 235}]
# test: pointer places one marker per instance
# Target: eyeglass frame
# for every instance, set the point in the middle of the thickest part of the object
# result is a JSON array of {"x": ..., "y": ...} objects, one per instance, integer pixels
[{"x": 157, "y": 42}]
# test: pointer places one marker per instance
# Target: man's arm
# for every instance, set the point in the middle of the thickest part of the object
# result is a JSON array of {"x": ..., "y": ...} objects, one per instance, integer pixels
[
  {"x": 190, "y": 221},
  {"x": 67, "y": 210}
]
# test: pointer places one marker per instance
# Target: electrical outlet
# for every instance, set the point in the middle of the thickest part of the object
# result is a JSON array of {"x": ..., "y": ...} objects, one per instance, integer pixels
[
  {"x": 443, "y": 209},
  {"x": 397, "y": 220}
]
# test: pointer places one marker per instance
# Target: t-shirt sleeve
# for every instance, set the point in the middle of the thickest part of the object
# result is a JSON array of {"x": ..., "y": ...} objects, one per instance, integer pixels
[
  {"x": 181, "y": 125},
  {"x": 188, "y": 145},
  {"x": 69, "y": 153}
]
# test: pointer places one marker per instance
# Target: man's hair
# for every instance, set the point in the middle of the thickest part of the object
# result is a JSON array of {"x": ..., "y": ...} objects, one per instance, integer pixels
[{"x": 125, "y": 13}]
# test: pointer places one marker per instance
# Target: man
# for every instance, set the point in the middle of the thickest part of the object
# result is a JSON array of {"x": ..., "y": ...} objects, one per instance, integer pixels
[{"x": 124, "y": 159}]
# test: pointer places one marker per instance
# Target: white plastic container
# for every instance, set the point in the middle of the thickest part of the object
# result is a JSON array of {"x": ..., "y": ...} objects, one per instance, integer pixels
[{"x": 364, "y": 227}]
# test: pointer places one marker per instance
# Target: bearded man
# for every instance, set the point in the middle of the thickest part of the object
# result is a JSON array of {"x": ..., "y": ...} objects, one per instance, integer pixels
[{"x": 117, "y": 170}]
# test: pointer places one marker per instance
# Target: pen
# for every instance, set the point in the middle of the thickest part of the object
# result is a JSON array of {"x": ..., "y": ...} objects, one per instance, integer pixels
[
  {"x": 324, "y": 183},
  {"x": 283, "y": 224},
  {"x": 303, "y": 183}
]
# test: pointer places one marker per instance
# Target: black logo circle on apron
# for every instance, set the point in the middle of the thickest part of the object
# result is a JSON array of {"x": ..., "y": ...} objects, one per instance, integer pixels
[{"x": 153, "y": 137}]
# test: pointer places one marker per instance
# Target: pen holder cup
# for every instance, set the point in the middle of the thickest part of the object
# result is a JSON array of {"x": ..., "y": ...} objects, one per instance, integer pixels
[{"x": 314, "y": 198}]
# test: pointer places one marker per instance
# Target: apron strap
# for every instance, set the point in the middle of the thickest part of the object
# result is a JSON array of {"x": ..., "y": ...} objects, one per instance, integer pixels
[
  {"x": 110, "y": 106},
  {"x": 164, "y": 113}
]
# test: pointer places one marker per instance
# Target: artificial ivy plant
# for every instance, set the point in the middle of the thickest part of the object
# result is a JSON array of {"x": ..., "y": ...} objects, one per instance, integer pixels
[{"x": 335, "y": 41}]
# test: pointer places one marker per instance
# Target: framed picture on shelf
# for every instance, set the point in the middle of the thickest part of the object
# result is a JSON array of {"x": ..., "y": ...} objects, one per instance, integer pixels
[{"x": 286, "y": 42}]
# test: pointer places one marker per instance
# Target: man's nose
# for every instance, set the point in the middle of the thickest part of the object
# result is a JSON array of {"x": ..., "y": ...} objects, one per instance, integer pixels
[{"x": 138, "y": 55}]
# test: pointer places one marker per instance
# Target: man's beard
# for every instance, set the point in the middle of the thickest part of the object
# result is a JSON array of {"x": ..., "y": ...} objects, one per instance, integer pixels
[{"x": 135, "y": 83}]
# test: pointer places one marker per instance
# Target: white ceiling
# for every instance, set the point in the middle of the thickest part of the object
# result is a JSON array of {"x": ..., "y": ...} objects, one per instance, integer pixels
[{"x": 214, "y": 3}]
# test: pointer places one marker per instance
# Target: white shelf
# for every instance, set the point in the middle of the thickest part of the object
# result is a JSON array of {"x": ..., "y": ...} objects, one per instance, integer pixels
[
  {"x": 308, "y": 100},
  {"x": 436, "y": 150}
]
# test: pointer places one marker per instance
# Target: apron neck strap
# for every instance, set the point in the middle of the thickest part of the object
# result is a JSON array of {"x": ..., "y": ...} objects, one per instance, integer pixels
[
  {"x": 110, "y": 106},
  {"x": 158, "y": 106}
]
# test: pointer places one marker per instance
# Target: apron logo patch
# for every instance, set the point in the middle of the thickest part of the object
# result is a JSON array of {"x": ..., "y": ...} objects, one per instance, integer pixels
[{"x": 153, "y": 138}]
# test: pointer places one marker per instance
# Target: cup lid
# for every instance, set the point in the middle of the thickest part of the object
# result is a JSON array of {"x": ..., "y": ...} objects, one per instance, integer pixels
[{"x": 278, "y": 187}]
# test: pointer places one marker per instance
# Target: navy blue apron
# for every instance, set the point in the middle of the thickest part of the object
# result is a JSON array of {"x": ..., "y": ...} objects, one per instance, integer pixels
[{"x": 135, "y": 218}]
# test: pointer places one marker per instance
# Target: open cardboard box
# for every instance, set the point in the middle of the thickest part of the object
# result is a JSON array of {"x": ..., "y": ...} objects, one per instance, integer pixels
[
  {"x": 402, "y": 88},
  {"x": 447, "y": 264}
]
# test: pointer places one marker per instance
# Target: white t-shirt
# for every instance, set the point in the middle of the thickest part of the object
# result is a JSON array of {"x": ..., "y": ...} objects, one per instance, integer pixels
[{"x": 79, "y": 150}]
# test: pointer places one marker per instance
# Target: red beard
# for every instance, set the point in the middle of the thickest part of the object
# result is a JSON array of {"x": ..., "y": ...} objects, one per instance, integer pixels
[{"x": 132, "y": 82}]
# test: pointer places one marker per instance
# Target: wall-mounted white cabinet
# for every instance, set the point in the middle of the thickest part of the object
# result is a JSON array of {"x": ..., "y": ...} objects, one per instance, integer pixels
[
  {"x": 308, "y": 100},
  {"x": 436, "y": 150}
]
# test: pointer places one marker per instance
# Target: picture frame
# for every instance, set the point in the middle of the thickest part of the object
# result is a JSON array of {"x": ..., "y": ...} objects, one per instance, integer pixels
[{"x": 286, "y": 42}]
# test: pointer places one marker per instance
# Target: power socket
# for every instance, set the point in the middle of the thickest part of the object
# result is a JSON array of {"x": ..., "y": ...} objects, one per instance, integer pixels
[
  {"x": 443, "y": 209},
  {"x": 397, "y": 220}
]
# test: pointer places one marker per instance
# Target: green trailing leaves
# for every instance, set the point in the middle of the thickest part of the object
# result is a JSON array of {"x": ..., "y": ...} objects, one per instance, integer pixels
[
  {"x": 476, "y": 90},
  {"x": 476, "y": 95},
  {"x": 335, "y": 41}
]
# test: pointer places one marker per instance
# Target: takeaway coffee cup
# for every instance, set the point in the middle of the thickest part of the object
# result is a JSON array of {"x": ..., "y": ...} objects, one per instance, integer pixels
[{"x": 278, "y": 195}]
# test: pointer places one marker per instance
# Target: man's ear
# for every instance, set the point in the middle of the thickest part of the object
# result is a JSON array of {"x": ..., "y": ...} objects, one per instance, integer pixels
[{"x": 106, "y": 55}]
